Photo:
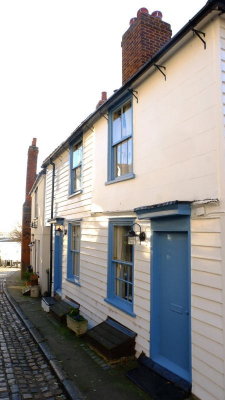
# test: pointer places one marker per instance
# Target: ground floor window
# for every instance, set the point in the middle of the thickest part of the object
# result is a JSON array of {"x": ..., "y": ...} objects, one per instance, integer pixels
[
  {"x": 120, "y": 268},
  {"x": 74, "y": 237}
]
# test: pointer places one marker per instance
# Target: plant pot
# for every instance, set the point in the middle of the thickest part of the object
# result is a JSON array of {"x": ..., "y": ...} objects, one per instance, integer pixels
[
  {"x": 34, "y": 291},
  {"x": 79, "y": 327},
  {"x": 34, "y": 282}
]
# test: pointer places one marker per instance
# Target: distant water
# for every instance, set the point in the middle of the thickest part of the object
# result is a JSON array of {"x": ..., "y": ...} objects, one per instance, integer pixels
[{"x": 10, "y": 251}]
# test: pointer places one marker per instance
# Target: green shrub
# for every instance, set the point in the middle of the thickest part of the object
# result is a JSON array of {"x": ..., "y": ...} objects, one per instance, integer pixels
[{"x": 74, "y": 312}]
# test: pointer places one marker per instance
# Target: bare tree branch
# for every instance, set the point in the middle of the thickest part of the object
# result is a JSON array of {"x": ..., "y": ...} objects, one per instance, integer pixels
[{"x": 16, "y": 233}]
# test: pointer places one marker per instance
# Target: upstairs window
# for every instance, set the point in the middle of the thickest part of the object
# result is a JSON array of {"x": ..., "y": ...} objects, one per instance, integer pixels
[
  {"x": 121, "y": 131},
  {"x": 76, "y": 167}
]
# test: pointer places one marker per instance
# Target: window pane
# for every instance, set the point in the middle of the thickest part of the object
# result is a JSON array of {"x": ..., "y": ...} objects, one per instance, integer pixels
[
  {"x": 124, "y": 290},
  {"x": 130, "y": 293},
  {"x": 124, "y": 158},
  {"x": 116, "y": 126},
  {"x": 117, "y": 157},
  {"x": 76, "y": 179},
  {"x": 121, "y": 289},
  {"x": 76, "y": 263},
  {"x": 129, "y": 155},
  {"x": 121, "y": 249},
  {"x": 75, "y": 238},
  {"x": 123, "y": 272},
  {"x": 126, "y": 120},
  {"x": 77, "y": 155}
]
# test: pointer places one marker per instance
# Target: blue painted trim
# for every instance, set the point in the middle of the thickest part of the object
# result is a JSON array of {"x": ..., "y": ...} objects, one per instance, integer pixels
[
  {"x": 71, "y": 280},
  {"x": 173, "y": 224},
  {"x": 75, "y": 193},
  {"x": 70, "y": 276},
  {"x": 125, "y": 99},
  {"x": 111, "y": 298},
  {"x": 121, "y": 179},
  {"x": 169, "y": 209},
  {"x": 116, "y": 303},
  {"x": 70, "y": 164},
  {"x": 58, "y": 247},
  {"x": 72, "y": 144}
]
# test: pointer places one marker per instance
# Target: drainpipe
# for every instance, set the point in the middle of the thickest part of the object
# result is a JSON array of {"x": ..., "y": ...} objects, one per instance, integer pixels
[{"x": 51, "y": 231}]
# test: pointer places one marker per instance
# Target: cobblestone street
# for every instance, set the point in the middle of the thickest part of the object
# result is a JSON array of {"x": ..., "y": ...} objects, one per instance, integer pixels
[{"x": 24, "y": 371}]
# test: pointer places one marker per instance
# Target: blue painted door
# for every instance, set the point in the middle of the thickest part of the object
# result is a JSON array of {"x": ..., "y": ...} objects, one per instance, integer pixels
[
  {"x": 58, "y": 262},
  {"x": 170, "y": 318}
]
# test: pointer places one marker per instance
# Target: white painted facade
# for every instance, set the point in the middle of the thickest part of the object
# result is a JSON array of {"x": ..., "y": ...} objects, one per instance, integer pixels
[
  {"x": 179, "y": 154},
  {"x": 40, "y": 234}
]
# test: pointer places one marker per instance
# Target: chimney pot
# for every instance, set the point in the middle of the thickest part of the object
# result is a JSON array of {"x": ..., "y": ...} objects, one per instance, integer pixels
[
  {"x": 157, "y": 14},
  {"x": 104, "y": 96},
  {"x": 141, "y": 11},
  {"x": 103, "y": 99},
  {"x": 132, "y": 20},
  {"x": 34, "y": 141}
]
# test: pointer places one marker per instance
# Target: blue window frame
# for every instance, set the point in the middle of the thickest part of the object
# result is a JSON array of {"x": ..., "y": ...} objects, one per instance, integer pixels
[
  {"x": 73, "y": 262},
  {"x": 121, "y": 142},
  {"x": 76, "y": 152},
  {"x": 120, "y": 265}
]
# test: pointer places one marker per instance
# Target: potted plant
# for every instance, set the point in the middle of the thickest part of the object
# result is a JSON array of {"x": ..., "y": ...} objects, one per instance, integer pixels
[
  {"x": 34, "y": 279},
  {"x": 76, "y": 322}
]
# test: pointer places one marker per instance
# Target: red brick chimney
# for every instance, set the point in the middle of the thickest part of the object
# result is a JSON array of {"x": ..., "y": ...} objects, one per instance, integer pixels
[
  {"x": 145, "y": 36},
  {"x": 102, "y": 100},
  {"x": 26, "y": 219}
]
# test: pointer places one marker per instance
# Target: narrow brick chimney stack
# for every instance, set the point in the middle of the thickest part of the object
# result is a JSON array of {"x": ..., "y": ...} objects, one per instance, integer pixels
[
  {"x": 26, "y": 218},
  {"x": 143, "y": 39},
  {"x": 31, "y": 166},
  {"x": 102, "y": 100}
]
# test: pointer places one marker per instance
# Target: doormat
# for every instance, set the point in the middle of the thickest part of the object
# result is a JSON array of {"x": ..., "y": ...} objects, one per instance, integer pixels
[{"x": 158, "y": 387}]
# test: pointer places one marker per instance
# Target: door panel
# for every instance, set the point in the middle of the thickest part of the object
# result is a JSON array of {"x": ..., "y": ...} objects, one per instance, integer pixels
[
  {"x": 170, "y": 326},
  {"x": 58, "y": 262}
]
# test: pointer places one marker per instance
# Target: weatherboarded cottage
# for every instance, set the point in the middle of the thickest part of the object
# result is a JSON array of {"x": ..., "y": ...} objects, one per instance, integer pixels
[{"x": 135, "y": 197}]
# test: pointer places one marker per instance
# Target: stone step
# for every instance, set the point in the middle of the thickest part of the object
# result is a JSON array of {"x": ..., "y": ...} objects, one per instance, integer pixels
[{"x": 112, "y": 340}]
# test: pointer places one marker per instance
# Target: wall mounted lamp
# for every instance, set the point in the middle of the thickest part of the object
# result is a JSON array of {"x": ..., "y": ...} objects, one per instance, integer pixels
[
  {"x": 133, "y": 236},
  {"x": 59, "y": 225},
  {"x": 59, "y": 228}
]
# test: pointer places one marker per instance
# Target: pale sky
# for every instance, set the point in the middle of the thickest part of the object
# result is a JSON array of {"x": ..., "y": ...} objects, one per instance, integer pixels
[{"x": 57, "y": 56}]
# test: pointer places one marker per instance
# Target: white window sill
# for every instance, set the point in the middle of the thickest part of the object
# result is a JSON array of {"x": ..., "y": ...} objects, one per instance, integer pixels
[{"x": 75, "y": 193}]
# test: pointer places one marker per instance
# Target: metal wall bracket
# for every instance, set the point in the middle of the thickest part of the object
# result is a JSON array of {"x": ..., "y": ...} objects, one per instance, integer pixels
[
  {"x": 160, "y": 68},
  {"x": 104, "y": 115},
  {"x": 200, "y": 35},
  {"x": 90, "y": 127},
  {"x": 132, "y": 91}
]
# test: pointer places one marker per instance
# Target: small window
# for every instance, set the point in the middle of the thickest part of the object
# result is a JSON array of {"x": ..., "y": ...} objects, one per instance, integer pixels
[
  {"x": 76, "y": 167},
  {"x": 74, "y": 237},
  {"x": 120, "y": 272},
  {"x": 121, "y": 130}
]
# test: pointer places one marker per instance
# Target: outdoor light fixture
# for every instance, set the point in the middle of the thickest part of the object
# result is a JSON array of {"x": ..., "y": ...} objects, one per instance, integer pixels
[
  {"x": 132, "y": 235},
  {"x": 59, "y": 227},
  {"x": 31, "y": 244}
]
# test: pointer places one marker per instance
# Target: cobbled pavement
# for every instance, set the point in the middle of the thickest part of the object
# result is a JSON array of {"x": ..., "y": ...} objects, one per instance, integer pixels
[{"x": 24, "y": 371}]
